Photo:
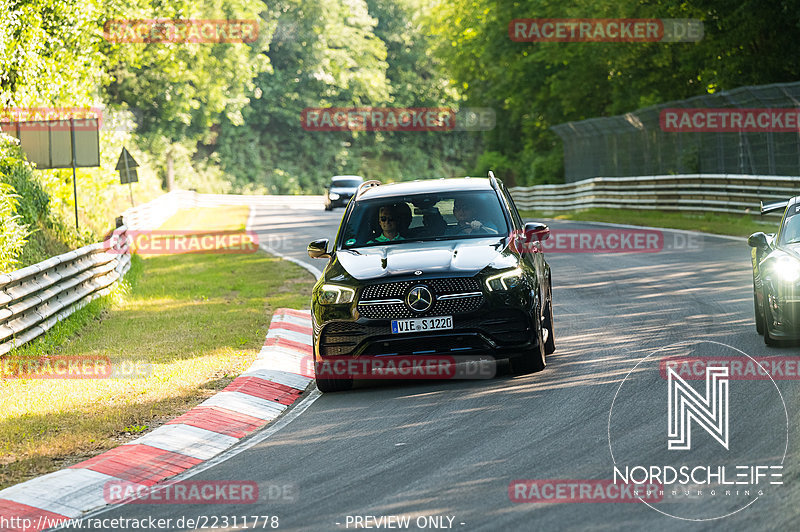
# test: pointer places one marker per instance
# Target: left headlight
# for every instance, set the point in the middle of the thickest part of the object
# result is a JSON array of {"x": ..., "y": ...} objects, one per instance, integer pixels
[
  {"x": 332, "y": 294},
  {"x": 786, "y": 269},
  {"x": 505, "y": 280}
]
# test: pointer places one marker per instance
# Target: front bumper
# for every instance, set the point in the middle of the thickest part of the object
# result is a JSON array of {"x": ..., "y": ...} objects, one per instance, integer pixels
[
  {"x": 783, "y": 312},
  {"x": 502, "y": 333}
]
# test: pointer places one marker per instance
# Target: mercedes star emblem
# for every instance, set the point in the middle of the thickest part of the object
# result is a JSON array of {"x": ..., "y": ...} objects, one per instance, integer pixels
[{"x": 419, "y": 299}]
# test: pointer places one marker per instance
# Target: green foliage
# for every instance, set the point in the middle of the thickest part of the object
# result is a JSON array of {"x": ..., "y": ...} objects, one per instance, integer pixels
[
  {"x": 32, "y": 230},
  {"x": 12, "y": 233},
  {"x": 48, "y": 52},
  {"x": 182, "y": 90},
  {"x": 534, "y": 86},
  {"x": 326, "y": 53}
]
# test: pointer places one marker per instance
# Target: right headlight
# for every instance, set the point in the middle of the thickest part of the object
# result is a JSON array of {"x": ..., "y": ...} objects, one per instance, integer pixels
[
  {"x": 332, "y": 294},
  {"x": 786, "y": 269},
  {"x": 333, "y": 195},
  {"x": 505, "y": 280}
]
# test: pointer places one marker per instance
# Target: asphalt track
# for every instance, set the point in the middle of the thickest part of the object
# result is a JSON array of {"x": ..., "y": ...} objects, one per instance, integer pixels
[{"x": 452, "y": 448}]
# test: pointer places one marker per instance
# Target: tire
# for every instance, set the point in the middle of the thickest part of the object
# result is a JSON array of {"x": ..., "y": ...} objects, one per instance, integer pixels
[
  {"x": 334, "y": 385},
  {"x": 327, "y": 385},
  {"x": 550, "y": 343},
  {"x": 759, "y": 315},
  {"x": 328, "y": 207},
  {"x": 768, "y": 339},
  {"x": 533, "y": 360}
]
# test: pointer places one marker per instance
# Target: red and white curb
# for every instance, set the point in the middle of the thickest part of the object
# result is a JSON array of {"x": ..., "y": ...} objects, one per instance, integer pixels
[{"x": 275, "y": 380}]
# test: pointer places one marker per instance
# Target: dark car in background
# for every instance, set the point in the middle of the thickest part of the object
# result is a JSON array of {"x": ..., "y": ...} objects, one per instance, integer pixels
[
  {"x": 340, "y": 190},
  {"x": 442, "y": 267},
  {"x": 776, "y": 275}
]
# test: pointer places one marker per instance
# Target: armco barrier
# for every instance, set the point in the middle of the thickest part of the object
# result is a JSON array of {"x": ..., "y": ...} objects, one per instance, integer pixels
[
  {"x": 728, "y": 193},
  {"x": 37, "y": 297}
]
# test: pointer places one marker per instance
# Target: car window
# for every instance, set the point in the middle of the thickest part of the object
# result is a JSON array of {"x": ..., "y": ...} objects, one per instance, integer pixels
[
  {"x": 346, "y": 183},
  {"x": 791, "y": 229},
  {"x": 420, "y": 217},
  {"x": 512, "y": 208}
]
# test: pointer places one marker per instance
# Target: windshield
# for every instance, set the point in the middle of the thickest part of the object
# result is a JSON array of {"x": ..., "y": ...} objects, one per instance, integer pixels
[
  {"x": 420, "y": 217},
  {"x": 790, "y": 234},
  {"x": 345, "y": 183}
]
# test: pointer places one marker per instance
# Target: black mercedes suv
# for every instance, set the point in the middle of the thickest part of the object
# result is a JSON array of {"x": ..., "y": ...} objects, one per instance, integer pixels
[{"x": 442, "y": 267}]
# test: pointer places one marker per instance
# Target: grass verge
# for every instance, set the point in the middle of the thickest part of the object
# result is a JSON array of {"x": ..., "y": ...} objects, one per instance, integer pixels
[
  {"x": 720, "y": 224},
  {"x": 199, "y": 320}
]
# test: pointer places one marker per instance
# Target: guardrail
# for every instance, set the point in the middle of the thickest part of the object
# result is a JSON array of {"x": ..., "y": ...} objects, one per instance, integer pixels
[
  {"x": 37, "y": 297},
  {"x": 723, "y": 193}
]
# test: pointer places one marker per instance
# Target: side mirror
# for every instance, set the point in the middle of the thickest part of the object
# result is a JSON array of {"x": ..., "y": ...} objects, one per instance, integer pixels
[
  {"x": 538, "y": 229},
  {"x": 758, "y": 240},
  {"x": 318, "y": 249}
]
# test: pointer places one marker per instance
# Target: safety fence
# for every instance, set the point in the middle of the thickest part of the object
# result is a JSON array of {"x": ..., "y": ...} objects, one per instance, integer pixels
[
  {"x": 735, "y": 194},
  {"x": 643, "y": 143},
  {"x": 35, "y": 298}
]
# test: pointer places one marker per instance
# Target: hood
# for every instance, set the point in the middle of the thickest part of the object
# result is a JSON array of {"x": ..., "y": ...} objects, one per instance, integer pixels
[
  {"x": 791, "y": 249},
  {"x": 465, "y": 257}
]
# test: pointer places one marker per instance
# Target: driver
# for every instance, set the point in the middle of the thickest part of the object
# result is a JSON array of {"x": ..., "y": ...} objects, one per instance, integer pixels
[{"x": 466, "y": 212}]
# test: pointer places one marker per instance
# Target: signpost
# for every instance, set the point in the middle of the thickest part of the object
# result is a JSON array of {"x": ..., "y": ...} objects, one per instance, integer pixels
[
  {"x": 59, "y": 144},
  {"x": 126, "y": 166}
]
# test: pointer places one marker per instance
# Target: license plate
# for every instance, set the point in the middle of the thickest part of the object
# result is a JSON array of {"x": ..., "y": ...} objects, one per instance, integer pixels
[{"x": 422, "y": 324}]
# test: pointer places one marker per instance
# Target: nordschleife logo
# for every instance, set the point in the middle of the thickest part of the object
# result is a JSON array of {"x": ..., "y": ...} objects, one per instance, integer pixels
[
  {"x": 709, "y": 411},
  {"x": 726, "y": 442}
]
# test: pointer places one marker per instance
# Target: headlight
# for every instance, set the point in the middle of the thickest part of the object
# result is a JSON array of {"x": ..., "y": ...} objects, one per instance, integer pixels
[
  {"x": 332, "y": 294},
  {"x": 505, "y": 280},
  {"x": 786, "y": 269},
  {"x": 333, "y": 195}
]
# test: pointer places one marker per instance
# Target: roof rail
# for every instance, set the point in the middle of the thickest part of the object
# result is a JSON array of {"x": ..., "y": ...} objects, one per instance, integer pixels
[
  {"x": 492, "y": 180},
  {"x": 365, "y": 185}
]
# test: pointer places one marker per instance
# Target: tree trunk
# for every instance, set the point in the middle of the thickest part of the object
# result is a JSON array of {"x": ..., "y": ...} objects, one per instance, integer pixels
[{"x": 170, "y": 171}]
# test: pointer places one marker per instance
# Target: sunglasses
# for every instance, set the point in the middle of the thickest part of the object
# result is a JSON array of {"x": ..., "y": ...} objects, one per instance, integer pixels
[{"x": 387, "y": 219}]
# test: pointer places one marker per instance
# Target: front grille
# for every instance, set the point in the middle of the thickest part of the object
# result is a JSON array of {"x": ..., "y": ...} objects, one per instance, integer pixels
[{"x": 439, "y": 287}]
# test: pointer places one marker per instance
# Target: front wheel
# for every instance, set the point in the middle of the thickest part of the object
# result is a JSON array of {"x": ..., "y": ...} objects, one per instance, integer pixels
[
  {"x": 333, "y": 385},
  {"x": 768, "y": 338},
  {"x": 550, "y": 343},
  {"x": 758, "y": 313},
  {"x": 532, "y": 360}
]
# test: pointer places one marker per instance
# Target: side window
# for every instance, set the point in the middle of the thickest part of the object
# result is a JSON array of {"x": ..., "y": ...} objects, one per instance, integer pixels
[{"x": 518, "y": 223}]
